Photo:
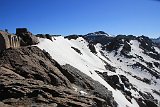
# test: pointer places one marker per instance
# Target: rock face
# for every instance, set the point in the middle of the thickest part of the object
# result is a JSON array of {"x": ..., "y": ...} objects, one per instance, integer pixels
[
  {"x": 8, "y": 40},
  {"x": 27, "y": 37},
  {"x": 30, "y": 77},
  {"x": 87, "y": 83}
]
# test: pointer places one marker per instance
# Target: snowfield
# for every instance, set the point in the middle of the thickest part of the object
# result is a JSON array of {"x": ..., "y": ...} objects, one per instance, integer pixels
[{"x": 61, "y": 49}]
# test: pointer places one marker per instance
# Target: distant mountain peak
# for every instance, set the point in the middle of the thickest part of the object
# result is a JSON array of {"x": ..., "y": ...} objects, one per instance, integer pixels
[
  {"x": 156, "y": 40},
  {"x": 97, "y": 33}
]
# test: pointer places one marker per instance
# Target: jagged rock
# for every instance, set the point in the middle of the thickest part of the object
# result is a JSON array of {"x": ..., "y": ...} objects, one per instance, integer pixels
[
  {"x": 157, "y": 64},
  {"x": 97, "y": 37},
  {"x": 114, "y": 82},
  {"x": 27, "y": 37},
  {"x": 148, "y": 99},
  {"x": 125, "y": 81},
  {"x": 47, "y": 36},
  {"x": 93, "y": 87},
  {"x": 113, "y": 45},
  {"x": 145, "y": 43},
  {"x": 141, "y": 103},
  {"x": 126, "y": 49},
  {"x": 150, "y": 103},
  {"x": 92, "y": 48},
  {"x": 143, "y": 67}
]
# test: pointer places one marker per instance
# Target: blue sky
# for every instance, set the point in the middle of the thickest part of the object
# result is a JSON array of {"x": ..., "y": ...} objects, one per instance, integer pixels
[{"x": 137, "y": 17}]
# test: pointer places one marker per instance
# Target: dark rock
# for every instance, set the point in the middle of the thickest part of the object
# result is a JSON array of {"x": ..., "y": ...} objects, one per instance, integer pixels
[
  {"x": 157, "y": 64},
  {"x": 141, "y": 103},
  {"x": 47, "y": 36},
  {"x": 93, "y": 87},
  {"x": 145, "y": 43},
  {"x": 157, "y": 92},
  {"x": 98, "y": 37},
  {"x": 27, "y": 38},
  {"x": 100, "y": 32},
  {"x": 72, "y": 37},
  {"x": 148, "y": 99},
  {"x": 142, "y": 67},
  {"x": 149, "y": 64},
  {"x": 155, "y": 55},
  {"x": 125, "y": 81},
  {"x": 92, "y": 48},
  {"x": 146, "y": 80},
  {"x": 150, "y": 103},
  {"x": 77, "y": 50},
  {"x": 114, "y": 82},
  {"x": 126, "y": 49},
  {"x": 108, "y": 66},
  {"x": 115, "y": 44}
]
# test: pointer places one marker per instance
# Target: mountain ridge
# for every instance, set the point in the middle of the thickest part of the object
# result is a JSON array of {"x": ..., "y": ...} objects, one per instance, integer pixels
[
  {"x": 93, "y": 70},
  {"x": 135, "y": 58}
]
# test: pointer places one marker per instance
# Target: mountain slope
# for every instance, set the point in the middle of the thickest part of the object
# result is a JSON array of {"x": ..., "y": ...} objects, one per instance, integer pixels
[
  {"x": 127, "y": 66},
  {"x": 30, "y": 77}
]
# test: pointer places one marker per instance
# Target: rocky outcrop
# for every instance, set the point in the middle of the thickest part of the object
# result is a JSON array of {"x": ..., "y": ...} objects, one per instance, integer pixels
[
  {"x": 147, "y": 45},
  {"x": 147, "y": 99},
  {"x": 47, "y": 36},
  {"x": 126, "y": 50},
  {"x": 154, "y": 73},
  {"x": 92, "y": 48},
  {"x": 88, "y": 84},
  {"x": 72, "y": 37},
  {"x": 30, "y": 77},
  {"x": 8, "y": 40},
  {"x": 114, "y": 81},
  {"x": 27, "y": 38},
  {"x": 77, "y": 50}
]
